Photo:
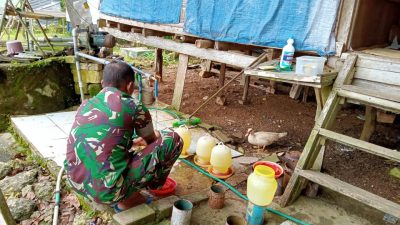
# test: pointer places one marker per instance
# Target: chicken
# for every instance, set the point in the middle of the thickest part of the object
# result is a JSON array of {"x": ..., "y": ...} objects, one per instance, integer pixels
[{"x": 263, "y": 139}]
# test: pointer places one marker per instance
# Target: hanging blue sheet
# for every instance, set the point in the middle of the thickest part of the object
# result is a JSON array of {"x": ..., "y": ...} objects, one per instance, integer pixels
[
  {"x": 150, "y": 11},
  {"x": 310, "y": 23}
]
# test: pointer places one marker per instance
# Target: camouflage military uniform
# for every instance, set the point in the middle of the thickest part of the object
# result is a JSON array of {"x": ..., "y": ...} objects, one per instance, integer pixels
[{"x": 98, "y": 163}]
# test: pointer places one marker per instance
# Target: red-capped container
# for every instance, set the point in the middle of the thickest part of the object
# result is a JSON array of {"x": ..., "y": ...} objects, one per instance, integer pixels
[
  {"x": 275, "y": 166},
  {"x": 167, "y": 189}
]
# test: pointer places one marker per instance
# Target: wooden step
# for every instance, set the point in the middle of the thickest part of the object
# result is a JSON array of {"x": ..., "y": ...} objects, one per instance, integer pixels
[
  {"x": 351, "y": 191},
  {"x": 361, "y": 145},
  {"x": 367, "y": 97}
]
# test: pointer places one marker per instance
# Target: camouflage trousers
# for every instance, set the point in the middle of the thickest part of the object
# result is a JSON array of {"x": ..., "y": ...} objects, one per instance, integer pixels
[{"x": 148, "y": 168}]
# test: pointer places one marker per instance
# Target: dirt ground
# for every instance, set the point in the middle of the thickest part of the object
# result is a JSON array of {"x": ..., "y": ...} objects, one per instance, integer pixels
[{"x": 279, "y": 113}]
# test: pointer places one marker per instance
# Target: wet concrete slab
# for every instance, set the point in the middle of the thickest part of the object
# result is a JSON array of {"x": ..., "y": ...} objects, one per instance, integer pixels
[
  {"x": 188, "y": 180},
  {"x": 311, "y": 211}
]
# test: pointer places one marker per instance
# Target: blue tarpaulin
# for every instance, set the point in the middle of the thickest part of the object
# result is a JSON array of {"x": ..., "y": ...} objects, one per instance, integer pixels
[
  {"x": 310, "y": 23},
  {"x": 150, "y": 11}
]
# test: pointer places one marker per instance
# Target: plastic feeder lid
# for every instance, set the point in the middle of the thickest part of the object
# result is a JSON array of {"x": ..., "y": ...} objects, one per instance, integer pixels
[{"x": 264, "y": 171}]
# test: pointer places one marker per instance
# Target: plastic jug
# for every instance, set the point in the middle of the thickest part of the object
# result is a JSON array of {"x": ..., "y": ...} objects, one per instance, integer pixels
[
  {"x": 287, "y": 55},
  {"x": 186, "y": 136},
  {"x": 205, "y": 144},
  {"x": 221, "y": 159},
  {"x": 261, "y": 186}
]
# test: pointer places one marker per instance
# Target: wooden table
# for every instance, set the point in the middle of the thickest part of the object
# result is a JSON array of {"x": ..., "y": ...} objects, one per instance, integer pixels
[{"x": 322, "y": 83}]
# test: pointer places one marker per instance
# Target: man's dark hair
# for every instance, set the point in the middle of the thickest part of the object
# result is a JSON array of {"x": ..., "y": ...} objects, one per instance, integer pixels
[{"x": 116, "y": 74}]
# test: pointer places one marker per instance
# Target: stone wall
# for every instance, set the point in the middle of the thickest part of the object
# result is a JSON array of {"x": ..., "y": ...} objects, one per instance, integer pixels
[
  {"x": 39, "y": 87},
  {"x": 91, "y": 73}
]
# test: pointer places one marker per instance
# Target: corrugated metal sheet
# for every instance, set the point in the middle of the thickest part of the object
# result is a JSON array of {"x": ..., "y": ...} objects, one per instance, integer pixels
[{"x": 53, "y": 5}]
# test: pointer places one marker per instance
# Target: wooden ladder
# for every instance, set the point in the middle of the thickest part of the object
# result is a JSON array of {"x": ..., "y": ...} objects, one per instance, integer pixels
[{"x": 348, "y": 87}]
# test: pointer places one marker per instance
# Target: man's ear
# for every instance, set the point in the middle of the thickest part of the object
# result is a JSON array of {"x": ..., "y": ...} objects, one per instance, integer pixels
[{"x": 130, "y": 87}]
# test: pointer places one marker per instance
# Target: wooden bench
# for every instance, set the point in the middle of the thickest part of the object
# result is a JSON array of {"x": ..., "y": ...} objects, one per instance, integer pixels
[
  {"x": 364, "y": 79},
  {"x": 378, "y": 78},
  {"x": 322, "y": 83}
]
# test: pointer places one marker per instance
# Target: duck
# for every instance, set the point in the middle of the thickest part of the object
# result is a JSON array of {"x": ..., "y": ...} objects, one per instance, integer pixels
[{"x": 262, "y": 138}]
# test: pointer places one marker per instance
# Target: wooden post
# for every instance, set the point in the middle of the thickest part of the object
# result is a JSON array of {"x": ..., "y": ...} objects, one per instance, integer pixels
[
  {"x": 318, "y": 99},
  {"x": 204, "y": 43},
  {"x": 208, "y": 65},
  {"x": 180, "y": 81},
  {"x": 5, "y": 214},
  {"x": 369, "y": 124},
  {"x": 295, "y": 91},
  {"x": 276, "y": 53},
  {"x": 246, "y": 85},
  {"x": 221, "y": 100},
  {"x": 158, "y": 64},
  {"x": 222, "y": 71}
]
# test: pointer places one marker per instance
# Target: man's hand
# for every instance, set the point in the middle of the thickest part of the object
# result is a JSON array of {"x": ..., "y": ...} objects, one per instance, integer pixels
[{"x": 139, "y": 142}]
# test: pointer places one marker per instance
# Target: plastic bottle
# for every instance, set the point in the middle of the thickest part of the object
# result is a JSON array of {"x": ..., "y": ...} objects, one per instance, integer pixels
[
  {"x": 261, "y": 185},
  {"x": 287, "y": 55}
]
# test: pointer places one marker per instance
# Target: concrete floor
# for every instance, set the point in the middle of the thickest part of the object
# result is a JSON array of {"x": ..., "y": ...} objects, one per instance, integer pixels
[{"x": 48, "y": 134}]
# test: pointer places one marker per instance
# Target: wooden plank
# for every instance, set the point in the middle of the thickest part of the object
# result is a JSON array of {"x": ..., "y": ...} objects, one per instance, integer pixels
[
  {"x": 383, "y": 52},
  {"x": 318, "y": 99},
  {"x": 180, "y": 81},
  {"x": 5, "y": 214},
  {"x": 354, "y": 192},
  {"x": 346, "y": 73},
  {"x": 204, "y": 44},
  {"x": 346, "y": 17},
  {"x": 148, "y": 32},
  {"x": 230, "y": 58},
  {"x": 30, "y": 15},
  {"x": 377, "y": 58},
  {"x": 295, "y": 91},
  {"x": 361, "y": 145},
  {"x": 225, "y": 46},
  {"x": 378, "y": 64},
  {"x": 380, "y": 76},
  {"x": 369, "y": 123},
  {"x": 371, "y": 101},
  {"x": 376, "y": 86},
  {"x": 380, "y": 94}
]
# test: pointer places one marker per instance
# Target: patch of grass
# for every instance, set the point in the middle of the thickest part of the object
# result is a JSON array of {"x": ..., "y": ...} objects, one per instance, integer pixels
[
  {"x": 86, "y": 207},
  {"x": 4, "y": 122}
]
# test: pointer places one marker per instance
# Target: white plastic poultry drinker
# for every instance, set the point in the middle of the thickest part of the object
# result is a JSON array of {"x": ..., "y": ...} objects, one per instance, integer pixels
[{"x": 310, "y": 65}]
